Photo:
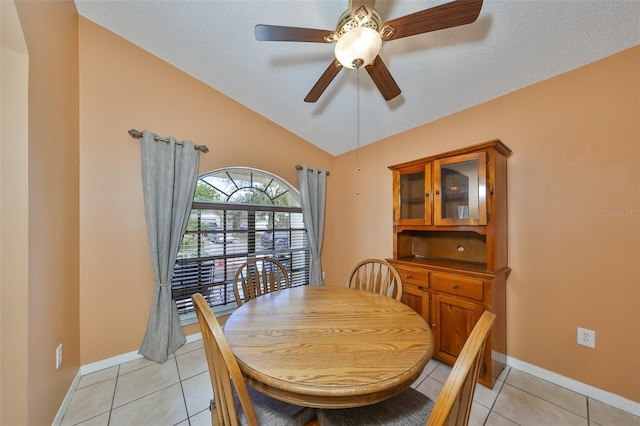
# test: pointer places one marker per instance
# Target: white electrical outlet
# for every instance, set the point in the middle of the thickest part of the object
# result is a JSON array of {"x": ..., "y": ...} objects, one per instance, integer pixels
[
  {"x": 586, "y": 337},
  {"x": 58, "y": 356}
]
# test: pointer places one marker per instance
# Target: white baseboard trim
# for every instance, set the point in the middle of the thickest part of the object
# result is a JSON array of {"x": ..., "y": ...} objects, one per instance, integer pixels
[
  {"x": 101, "y": 365},
  {"x": 119, "y": 359},
  {"x": 590, "y": 391}
]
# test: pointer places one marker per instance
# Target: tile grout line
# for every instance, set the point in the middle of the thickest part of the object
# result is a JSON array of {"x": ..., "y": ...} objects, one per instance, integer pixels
[
  {"x": 486, "y": 422},
  {"x": 493, "y": 404},
  {"x": 552, "y": 402},
  {"x": 184, "y": 398},
  {"x": 145, "y": 395},
  {"x": 113, "y": 397}
]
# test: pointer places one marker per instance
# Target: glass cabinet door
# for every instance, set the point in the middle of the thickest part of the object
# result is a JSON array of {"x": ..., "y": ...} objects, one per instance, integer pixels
[
  {"x": 413, "y": 195},
  {"x": 460, "y": 190}
]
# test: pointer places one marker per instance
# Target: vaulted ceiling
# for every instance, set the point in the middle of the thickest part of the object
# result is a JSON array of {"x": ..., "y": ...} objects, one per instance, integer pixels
[{"x": 512, "y": 44}]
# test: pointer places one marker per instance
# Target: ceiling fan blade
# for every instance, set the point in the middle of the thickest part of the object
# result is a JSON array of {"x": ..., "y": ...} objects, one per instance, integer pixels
[
  {"x": 323, "y": 82},
  {"x": 278, "y": 33},
  {"x": 382, "y": 78},
  {"x": 453, "y": 14}
]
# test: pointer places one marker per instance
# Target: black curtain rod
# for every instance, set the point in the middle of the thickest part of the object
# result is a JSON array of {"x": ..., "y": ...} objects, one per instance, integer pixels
[
  {"x": 299, "y": 167},
  {"x": 137, "y": 134}
]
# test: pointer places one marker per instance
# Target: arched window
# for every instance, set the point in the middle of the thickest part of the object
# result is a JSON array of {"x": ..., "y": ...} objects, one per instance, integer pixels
[{"x": 237, "y": 214}]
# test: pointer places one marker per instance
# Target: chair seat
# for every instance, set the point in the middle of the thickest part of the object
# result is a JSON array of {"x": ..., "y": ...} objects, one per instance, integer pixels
[
  {"x": 408, "y": 408},
  {"x": 273, "y": 412}
]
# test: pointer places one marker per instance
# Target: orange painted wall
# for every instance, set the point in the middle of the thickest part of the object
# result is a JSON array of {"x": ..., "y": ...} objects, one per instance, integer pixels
[
  {"x": 124, "y": 87},
  {"x": 14, "y": 202},
  {"x": 574, "y": 214},
  {"x": 576, "y": 143},
  {"x": 50, "y": 31},
  {"x": 574, "y": 137}
]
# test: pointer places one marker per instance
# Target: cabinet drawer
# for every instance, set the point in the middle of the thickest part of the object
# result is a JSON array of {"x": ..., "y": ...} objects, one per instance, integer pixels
[
  {"x": 415, "y": 276},
  {"x": 458, "y": 285}
]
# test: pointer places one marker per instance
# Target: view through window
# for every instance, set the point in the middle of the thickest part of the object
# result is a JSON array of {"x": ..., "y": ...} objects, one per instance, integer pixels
[{"x": 238, "y": 214}]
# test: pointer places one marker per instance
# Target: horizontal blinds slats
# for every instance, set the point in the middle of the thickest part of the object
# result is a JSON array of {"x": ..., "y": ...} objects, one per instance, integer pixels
[{"x": 218, "y": 241}]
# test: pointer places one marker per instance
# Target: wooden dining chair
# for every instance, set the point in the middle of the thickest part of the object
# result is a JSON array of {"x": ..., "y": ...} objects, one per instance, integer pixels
[
  {"x": 412, "y": 407},
  {"x": 378, "y": 276},
  {"x": 234, "y": 403},
  {"x": 259, "y": 276}
]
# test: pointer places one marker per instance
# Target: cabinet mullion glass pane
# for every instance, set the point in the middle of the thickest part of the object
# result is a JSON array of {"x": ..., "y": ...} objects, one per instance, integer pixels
[
  {"x": 459, "y": 192},
  {"x": 412, "y": 196}
]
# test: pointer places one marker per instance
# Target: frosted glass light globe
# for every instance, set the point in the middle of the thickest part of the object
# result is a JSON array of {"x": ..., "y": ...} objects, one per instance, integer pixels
[{"x": 358, "y": 47}]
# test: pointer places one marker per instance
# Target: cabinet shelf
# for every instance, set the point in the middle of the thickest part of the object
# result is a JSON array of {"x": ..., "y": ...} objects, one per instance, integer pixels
[
  {"x": 480, "y": 230},
  {"x": 450, "y": 247},
  {"x": 446, "y": 265}
]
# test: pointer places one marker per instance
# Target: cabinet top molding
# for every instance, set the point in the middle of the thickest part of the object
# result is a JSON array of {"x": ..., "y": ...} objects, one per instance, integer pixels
[{"x": 495, "y": 144}]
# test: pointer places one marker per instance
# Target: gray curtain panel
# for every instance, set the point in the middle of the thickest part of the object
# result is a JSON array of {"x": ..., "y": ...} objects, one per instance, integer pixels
[
  {"x": 313, "y": 184},
  {"x": 169, "y": 174}
]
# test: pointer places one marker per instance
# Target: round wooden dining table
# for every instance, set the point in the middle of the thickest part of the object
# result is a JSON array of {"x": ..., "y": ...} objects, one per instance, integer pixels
[{"x": 329, "y": 347}]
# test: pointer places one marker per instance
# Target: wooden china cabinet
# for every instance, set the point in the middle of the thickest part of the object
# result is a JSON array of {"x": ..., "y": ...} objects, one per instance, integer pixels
[{"x": 450, "y": 246}]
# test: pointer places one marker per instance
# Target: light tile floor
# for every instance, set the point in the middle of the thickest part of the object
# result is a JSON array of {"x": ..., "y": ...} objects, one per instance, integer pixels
[{"x": 177, "y": 392}]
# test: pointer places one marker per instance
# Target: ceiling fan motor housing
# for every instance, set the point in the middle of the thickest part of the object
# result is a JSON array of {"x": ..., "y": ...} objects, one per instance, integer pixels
[
  {"x": 362, "y": 18},
  {"x": 358, "y": 41}
]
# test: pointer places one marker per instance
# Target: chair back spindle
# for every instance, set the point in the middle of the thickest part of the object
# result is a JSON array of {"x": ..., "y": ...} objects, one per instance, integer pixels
[
  {"x": 376, "y": 276},
  {"x": 259, "y": 276}
]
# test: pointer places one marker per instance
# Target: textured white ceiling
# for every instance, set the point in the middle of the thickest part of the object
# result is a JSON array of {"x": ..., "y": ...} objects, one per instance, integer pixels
[{"x": 513, "y": 44}]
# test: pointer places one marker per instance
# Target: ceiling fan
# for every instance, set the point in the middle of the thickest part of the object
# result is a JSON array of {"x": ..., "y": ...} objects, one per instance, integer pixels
[{"x": 359, "y": 36}]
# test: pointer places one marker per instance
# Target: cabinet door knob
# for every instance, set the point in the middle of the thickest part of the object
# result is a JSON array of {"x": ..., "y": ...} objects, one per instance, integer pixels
[
  {"x": 426, "y": 194},
  {"x": 437, "y": 192},
  {"x": 434, "y": 325},
  {"x": 409, "y": 276},
  {"x": 455, "y": 286}
]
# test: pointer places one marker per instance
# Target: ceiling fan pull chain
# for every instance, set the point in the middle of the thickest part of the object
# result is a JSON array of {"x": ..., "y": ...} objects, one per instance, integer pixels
[
  {"x": 358, "y": 132},
  {"x": 358, "y": 119}
]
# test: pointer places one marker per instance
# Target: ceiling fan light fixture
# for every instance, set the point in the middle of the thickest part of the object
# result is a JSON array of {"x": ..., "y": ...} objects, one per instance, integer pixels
[{"x": 358, "y": 47}]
